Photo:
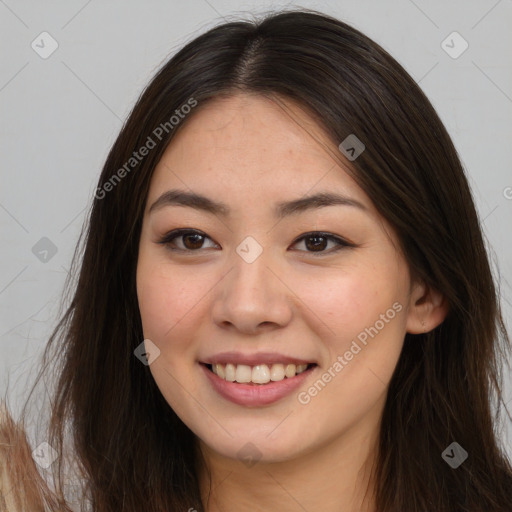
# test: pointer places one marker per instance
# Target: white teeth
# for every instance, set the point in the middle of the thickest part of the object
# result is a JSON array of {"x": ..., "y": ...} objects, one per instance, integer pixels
[
  {"x": 277, "y": 372},
  {"x": 290, "y": 370},
  {"x": 243, "y": 373},
  {"x": 220, "y": 371},
  {"x": 230, "y": 372},
  {"x": 259, "y": 374}
]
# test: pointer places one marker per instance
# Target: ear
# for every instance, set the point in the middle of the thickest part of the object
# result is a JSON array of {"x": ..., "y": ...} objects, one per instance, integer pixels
[{"x": 427, "y": 309}]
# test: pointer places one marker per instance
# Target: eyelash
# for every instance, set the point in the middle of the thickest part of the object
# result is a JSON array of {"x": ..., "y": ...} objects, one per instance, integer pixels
[{"x": 168, "y": 238}]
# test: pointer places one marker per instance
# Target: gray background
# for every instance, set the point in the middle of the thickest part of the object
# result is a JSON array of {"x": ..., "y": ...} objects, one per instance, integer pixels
[{"x": 60, "y": 115}]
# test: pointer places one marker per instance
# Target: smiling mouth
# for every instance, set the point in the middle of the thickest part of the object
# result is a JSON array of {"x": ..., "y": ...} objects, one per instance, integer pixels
[{"x": 259, "y": 374}]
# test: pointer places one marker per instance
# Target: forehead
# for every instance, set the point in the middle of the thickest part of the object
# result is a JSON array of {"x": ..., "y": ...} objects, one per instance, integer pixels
[{"x": 255, "y": 146}]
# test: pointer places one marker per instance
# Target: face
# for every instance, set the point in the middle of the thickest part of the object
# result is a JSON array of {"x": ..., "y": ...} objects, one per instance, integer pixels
[{"x": 261, "y": 283}]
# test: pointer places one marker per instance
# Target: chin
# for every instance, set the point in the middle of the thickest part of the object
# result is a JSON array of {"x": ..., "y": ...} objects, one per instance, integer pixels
[{"x": 258, "y": 448}]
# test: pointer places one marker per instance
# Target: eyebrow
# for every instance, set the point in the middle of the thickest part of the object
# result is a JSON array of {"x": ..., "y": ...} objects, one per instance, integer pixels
[{"x": 178, "y": 197}]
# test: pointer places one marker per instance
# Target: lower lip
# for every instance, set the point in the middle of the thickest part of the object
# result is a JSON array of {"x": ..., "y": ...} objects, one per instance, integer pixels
[{"x": 255, "y": 395}]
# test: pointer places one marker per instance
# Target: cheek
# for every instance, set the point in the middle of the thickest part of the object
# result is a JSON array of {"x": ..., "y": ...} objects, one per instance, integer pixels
[
  {"x": 352, "y": 383},
  {"x": 353, "y": 299},
  {"x": 166, "y": 297},
  {"x": 364, "y": 309}
]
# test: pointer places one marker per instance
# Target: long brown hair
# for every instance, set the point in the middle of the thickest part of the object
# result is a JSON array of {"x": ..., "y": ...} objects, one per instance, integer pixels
[{"x": 134, "y": 452}]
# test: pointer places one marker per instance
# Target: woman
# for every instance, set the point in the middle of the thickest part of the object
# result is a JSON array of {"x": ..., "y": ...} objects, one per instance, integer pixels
[{"x": 284, "y": 300}]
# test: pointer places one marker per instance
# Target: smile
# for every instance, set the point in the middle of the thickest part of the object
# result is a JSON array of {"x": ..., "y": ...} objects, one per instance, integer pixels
[
  {"x": 258, "y": 374},
  {"x": 256, "y": 394}
]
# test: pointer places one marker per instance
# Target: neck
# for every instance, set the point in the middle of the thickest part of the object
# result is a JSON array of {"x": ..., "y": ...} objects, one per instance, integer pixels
[{"x": 332, "y": 477}]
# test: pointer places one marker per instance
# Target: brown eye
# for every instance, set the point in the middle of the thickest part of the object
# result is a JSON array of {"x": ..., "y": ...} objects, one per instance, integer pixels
[
  {"x": 317, "y": 242},
  {"x": 191, "y": 240}
]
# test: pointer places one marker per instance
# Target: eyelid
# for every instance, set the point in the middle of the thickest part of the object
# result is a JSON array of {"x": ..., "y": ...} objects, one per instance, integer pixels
[{"x": 176, "y": 233}]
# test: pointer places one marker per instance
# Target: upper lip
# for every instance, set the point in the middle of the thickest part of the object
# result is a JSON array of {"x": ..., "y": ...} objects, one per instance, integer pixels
[{"x": 267, "y": 358}]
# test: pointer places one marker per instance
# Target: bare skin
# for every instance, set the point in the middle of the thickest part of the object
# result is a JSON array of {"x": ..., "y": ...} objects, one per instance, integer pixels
[{"x": 314, "y": 451}]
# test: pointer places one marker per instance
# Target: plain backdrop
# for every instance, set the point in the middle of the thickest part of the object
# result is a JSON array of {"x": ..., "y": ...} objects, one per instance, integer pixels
[{"x": 60, "y": 112}]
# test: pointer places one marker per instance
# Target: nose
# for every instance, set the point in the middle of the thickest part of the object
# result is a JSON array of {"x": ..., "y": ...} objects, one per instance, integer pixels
[{"x": 252, "y": 297}]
